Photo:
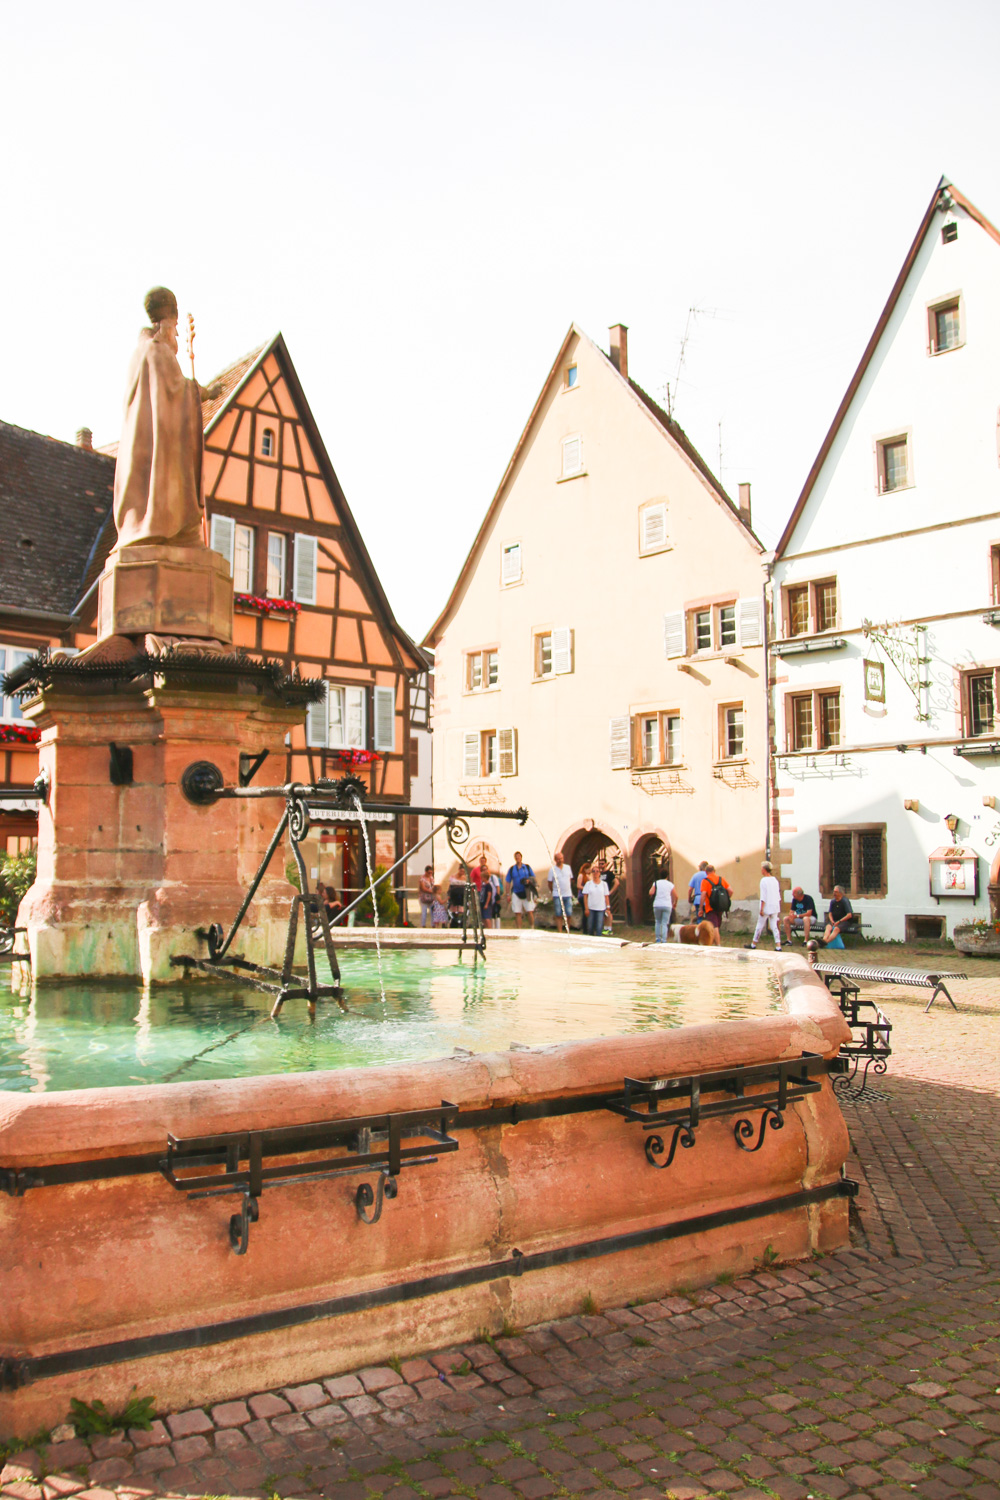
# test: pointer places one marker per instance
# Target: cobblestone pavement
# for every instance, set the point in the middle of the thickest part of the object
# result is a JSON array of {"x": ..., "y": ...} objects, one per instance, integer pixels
[{"x": 871, "y": 1373}]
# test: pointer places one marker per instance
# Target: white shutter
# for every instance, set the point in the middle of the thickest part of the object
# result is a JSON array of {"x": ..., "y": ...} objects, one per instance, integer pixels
[
  {"x": 507, "y": 747},
  {"x": 470, "y": 753},
  {"x": 511, "y": 563},
  {"x": 304, "y": 590},
  {"x": 562, "y": 649},
  {"x": 335, "y": 717},
  {"x": 385, "y": 718},
  {"x": 673, "y": 633},
  {"x": 654, "y": 528},
  {"x": 316, "y": 720},
  {"x": 222, "y": 534},
  {"x": 621, "y": 743},
  {"x": 572, "y": 456},
  {"x": 243, "y": 560},
  {"x": 750, "y": 614},
  {"x": 356, "y": 717}
]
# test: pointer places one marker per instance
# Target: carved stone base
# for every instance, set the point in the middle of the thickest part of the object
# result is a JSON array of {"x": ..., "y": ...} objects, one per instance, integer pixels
[{"x": 166, "y": 591}]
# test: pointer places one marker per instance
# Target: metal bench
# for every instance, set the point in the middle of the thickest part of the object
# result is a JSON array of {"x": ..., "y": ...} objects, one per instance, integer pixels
[
  {"x": 916, "y": 978},
  {"x": 870, "y": 1033}
]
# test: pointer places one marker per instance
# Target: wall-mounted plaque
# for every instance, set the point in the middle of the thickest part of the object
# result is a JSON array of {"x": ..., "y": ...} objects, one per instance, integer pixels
[
  {"x": 954, "y": 871},
  {"x": 874, "y": 681}
]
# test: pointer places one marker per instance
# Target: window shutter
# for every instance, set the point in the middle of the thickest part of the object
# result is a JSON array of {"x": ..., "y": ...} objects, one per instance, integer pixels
[
  {"x": 304, "y": 591},
  {"x": 512, "y": 563},
  {"x": 470, "y": 753},
  {"x": 223, "y": 534},
  {"x": 385, "y": 718},
  {"x": 572, "y": 455},
  {"x": 654, "y": 527},
  {"x": 243, "y": 560},
  {"x": 750, "y": 613},
  {"x": 621, "y": 743},
  {"x": 562, "y": 649},
  {"x": 673, "y": 633},
  {"x": 316, "y": 720},
  {"x": 335, "y": 717},
  {"x": 507, "y": 748},
  {"x": 356, "y": 725}
]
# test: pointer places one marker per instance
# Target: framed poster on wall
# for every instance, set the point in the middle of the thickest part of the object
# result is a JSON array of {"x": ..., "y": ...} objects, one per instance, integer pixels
[{"x": 954, "y": 871}]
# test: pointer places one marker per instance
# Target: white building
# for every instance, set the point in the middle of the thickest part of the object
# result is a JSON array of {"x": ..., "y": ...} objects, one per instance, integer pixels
[{"x": 885, "y": 634}]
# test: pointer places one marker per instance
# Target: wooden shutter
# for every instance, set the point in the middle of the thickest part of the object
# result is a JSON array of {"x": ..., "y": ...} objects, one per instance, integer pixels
[
  {"x": 673, "y": 633},
  {"x": 356, "y": 718},
  {"x": 562, "y": 649},
  {"x": 572, "y": 455},
  {"x": 316, "y": 720},
  {"x": 242, "y": 565},
  {"x": 385, "y": 718},
  {"x": 654, "y": 528},
  {"x": 512, "y": 563},
  {"x": 750, "y": 615},
  {"x": 621, "y": 743},
  {"x": 335, "y": 718},
  {"x": 223, "y": 534},
  {"x": 507, "y": 751},
  {"x": 304, "y": 589},
  {"x": 470, "y": 753}
]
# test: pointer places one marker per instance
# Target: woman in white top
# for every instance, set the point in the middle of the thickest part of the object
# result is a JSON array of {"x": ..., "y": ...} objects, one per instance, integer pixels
[
  {"x": 662, "y": 892},
  {"x": 770, "y": 906},
  {"x": 595, "y": 901}
]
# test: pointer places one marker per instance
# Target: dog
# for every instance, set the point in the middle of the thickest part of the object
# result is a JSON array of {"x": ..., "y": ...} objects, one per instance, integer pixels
[{"x": 701, "y": 933}]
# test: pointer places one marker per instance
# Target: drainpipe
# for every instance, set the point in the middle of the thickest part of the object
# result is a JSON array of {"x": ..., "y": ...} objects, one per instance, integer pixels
[{"x": 768, "y": 561}]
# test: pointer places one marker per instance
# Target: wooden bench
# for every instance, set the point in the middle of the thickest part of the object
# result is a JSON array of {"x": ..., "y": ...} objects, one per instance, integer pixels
[{"x": 916, "y": 978}]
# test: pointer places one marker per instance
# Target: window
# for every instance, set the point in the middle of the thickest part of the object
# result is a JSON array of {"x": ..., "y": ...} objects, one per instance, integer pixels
[
  {"x": 732, "y": 626},
  {"x": 276, "y": 549},
  {"x": 304, "y": 589},
  {"x": 490, "y": 764},
  {"x": 385, "y": 719},
  {"x": 572, "y": 457},
  {"x": 489, "y": 752},
  {"x": 893, "y": 465},
  {"x": 980, "y": 703},
  {"x": 726, "y": 624},
  {"x": 945, "y": 326},
  {"x": 482, "y": 670},
  {"x": 268, "y": 447},
  {"x": 553, "y": 652},
  {"x": 854, "y": 858},
  {"x": 825, "y": 604},
  {"x": 653, "y": 528},
  {"x": 659, "y": 739},
  {"x": 829, "y": 720},
  {"x": 702, "y": 635},
  {"x": 339, "y": 720},
  {"x": 243, "y": 560},
  {"x": 995, "y": 575},
  {"x": 949, "y": 233},
  {"x": 510, "y": 569},
  {"x": 571, "y": 376},
  {"x": 11, "y": 657},
  {"x": 801, "y": 723},
  {"x": 732, "y": 733},
  {"x": 798, "y": 610},
  {"x": 812, "y": 720}
]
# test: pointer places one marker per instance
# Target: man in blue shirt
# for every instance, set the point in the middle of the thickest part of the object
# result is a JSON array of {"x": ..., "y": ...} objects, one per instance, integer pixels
[
  {"x": 521, "y": 889},
  {"x": 802, "y": 914},
  {"x": 694, "y": 889}
]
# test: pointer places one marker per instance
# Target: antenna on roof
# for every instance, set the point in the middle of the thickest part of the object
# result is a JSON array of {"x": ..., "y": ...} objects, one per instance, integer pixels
[{"x": 693, "y": 312}]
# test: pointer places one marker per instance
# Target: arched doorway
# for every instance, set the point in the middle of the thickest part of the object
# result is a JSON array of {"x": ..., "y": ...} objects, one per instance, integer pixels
[
  {"x": 651, "y": 855},
  {"x": 598, "y": 845}
]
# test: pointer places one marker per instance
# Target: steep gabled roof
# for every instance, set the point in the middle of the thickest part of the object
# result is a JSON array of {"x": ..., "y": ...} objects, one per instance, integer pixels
[
  {"x": 228, "y": 382},
  {"x": 666, "y": 423},
  {"x": 55, "y": 500},
  {"x": 943, "y": 188}
]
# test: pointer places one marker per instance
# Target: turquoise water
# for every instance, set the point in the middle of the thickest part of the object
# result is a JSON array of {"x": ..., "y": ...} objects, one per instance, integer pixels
[{"x": 92, "y": 1036}]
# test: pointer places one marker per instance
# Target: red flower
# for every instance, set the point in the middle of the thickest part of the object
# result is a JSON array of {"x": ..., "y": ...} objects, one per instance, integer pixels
[
  {"x": 357, "y": 757},
  {"x": 265, "y": 606},
  {"x": 19, "y": 734}
]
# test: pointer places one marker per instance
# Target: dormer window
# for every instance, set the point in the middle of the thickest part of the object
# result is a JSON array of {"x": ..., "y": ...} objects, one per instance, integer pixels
[{"x": 267, "y": 443}]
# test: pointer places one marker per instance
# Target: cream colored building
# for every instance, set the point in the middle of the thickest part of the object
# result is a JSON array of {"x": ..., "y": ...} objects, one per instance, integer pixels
[{"x": 601, "y": 658}]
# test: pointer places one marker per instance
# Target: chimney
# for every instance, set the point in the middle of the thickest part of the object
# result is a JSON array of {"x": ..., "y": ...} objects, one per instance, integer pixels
[
  {"x": 619, "y": 348},
  {"x": 745, "y": 503},
  {"x": 85, "y": 439}
]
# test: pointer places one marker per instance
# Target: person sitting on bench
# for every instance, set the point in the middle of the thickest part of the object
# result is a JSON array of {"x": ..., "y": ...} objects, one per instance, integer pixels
[
  {"x": 802, "y": 914},
  {"x": 841, "y": 915}
]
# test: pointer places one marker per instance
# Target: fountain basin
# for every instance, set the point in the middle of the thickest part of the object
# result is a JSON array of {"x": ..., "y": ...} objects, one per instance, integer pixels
[{"x": 125, "y": 1281}]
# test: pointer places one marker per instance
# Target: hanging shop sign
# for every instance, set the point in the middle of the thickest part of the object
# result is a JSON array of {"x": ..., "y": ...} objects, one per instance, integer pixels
[
  {"x": 874, "y": 681},
  {"x": 954, "y": 871}
]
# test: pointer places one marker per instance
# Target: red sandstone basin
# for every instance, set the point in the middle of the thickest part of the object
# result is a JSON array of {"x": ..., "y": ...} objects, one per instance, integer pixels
[{"x": 99, "y": 1262}]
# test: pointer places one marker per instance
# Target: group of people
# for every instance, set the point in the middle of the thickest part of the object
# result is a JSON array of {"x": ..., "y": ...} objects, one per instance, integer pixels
[
  {"x": 593, "y": 887},
  {"x": 801, "y": 915},
  {"x": 709, "y": 898}
]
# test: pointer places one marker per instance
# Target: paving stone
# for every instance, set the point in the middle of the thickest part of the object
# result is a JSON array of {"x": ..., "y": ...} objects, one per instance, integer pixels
[
  {"x": 187, "y": 1423},
  {"x": 304, "y": 1397},
  {"x": 230, "y": 1414},
  {"x": 268, "y": 1405},
  {"x": 344, "y": 1385}
]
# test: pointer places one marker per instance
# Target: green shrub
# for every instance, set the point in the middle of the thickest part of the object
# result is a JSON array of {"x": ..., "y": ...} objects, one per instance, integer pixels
[
  {"x": 388, "y": 906},
  {"x": 17, "y": 872}
]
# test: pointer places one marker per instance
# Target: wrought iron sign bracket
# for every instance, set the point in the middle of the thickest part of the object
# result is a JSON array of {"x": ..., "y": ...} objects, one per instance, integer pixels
[
  {"x": 678, "y": 1106},
  {"x": 241, "y": 1162}
]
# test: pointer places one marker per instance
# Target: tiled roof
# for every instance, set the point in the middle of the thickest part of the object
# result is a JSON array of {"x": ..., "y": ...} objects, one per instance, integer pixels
[
  {"x": 54, "y": 501},
  {"x": 229, "y": 379}
]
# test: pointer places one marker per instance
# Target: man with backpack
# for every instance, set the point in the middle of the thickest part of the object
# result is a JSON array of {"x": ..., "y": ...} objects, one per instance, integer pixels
[
  {"x": 770, "y": 907},
  {"x": 715, "y": 897}
]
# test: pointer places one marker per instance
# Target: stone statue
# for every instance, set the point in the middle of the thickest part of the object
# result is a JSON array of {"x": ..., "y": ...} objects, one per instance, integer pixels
[{"x": 158, "y": 485}]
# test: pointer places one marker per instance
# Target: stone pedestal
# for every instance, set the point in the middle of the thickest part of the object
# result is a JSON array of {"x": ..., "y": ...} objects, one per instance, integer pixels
[
  {"x": 128, "y": 873},
  {"x": 171, "y": 591}
]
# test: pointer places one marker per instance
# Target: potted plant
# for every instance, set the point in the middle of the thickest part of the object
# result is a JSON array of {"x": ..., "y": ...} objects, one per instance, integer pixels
[{"x": 979, "y": 939}]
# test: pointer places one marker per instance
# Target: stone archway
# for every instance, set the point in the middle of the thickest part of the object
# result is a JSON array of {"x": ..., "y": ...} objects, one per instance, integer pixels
[
  {"x": 649, "y": 854},
  {"x": 595, "y": 843}
]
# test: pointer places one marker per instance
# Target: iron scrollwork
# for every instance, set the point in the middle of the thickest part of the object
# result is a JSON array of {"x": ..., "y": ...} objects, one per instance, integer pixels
[
  {"x": 239, "y": 1224},
  {"x": 655, "y": 1147},
  {"x": 386, "y": 1186},
  {"x": 743, "y": 1129}
]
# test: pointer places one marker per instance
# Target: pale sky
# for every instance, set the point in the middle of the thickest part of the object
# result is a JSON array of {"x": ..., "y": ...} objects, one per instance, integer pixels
[{"x": 423, "y": 197}]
